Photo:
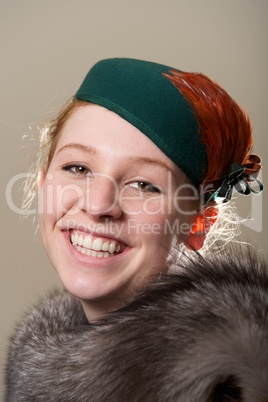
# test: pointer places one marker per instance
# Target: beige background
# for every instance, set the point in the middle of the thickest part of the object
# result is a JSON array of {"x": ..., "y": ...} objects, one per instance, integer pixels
[{"x": 47, "y": 48}]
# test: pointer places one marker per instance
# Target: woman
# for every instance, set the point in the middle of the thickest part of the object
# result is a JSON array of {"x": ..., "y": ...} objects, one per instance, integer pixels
[{"x": 131, "y": 173}]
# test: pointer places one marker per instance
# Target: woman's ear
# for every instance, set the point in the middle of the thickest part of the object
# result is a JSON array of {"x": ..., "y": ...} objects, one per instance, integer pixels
[{"x": 201, "y": 226}]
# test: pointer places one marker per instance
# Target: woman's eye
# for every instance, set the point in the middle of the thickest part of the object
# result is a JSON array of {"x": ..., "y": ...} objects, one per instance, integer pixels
[
  {"x": 145, "y": 187},
  {"x": 77, "y": 169}
]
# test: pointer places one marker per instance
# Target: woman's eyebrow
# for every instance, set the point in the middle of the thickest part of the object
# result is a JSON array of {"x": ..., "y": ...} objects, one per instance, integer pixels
[
  {"x": 79, "y": 147},
  {"x": 141, "y": 160},
  {"x": 144, "y": 160}
]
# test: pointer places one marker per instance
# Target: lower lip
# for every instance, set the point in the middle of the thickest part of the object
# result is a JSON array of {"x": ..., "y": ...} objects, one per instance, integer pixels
[{"x": 89, "y": 260}]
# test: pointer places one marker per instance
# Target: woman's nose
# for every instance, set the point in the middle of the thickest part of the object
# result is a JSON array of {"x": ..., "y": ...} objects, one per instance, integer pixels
[{"x": 101, "y": 198}]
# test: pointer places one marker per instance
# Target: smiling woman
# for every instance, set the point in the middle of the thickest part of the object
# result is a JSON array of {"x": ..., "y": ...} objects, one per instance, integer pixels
[
  {"x": 131, "y": 177},
  {"x": 96, "y": 191}
]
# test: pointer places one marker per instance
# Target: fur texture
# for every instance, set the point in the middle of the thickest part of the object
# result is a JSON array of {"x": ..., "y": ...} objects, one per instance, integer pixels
[{"x": 197, "y": 336}]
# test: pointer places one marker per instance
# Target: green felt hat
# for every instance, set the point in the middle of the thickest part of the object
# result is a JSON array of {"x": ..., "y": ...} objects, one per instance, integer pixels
[{"x": 138, "y": 92}]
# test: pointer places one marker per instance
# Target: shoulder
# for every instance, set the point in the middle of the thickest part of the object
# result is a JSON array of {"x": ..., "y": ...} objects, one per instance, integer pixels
[
  {"x": 37, "y": 342},
  {"x": 58, "y": 312}
]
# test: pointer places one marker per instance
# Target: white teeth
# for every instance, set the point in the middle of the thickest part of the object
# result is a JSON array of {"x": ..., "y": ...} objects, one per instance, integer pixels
[
  {"x": 105, "y": 246},
  {"x": 80, "y": 241},
  {"x": 92, "y": 253},
  {"x": 97, "y": 248},
  {"x": 112, "y": 247},
  {"x": 97, "y": 244},
  {"x": 87, "y": 242},
  {"x": 74, "y": 238},
  {"x": 118, "y": 248}
]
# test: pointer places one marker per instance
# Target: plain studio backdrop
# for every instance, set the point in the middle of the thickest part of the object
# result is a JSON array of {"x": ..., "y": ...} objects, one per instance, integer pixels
[{"x": 47, "y": 48}]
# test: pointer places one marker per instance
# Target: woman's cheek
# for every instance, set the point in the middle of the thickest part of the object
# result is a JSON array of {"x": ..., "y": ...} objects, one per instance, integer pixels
[
  {"x": 150, "y": 224},
  {"x": 155, "y": 206},
  {"x": 58, "y": 198},
  {"x": 140, "y": 204}
]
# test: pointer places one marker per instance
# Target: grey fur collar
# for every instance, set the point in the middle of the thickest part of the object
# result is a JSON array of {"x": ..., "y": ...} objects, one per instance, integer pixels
[{"x": 198, "y": 336}]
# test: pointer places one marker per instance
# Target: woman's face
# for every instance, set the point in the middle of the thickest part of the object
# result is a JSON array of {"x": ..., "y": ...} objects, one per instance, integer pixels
[{"x": 111, "y": 204}]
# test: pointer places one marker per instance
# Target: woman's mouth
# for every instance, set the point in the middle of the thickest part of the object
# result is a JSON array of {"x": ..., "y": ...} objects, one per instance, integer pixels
[{"x": 96, "y": 246}]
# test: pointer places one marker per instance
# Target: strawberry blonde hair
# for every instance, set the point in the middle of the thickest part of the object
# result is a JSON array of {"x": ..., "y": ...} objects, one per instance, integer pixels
[{"x": 225, "y": 128}]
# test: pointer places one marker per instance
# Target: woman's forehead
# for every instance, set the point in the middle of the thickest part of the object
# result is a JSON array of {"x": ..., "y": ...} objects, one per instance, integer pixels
[{"x": 102, "y": 130}]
